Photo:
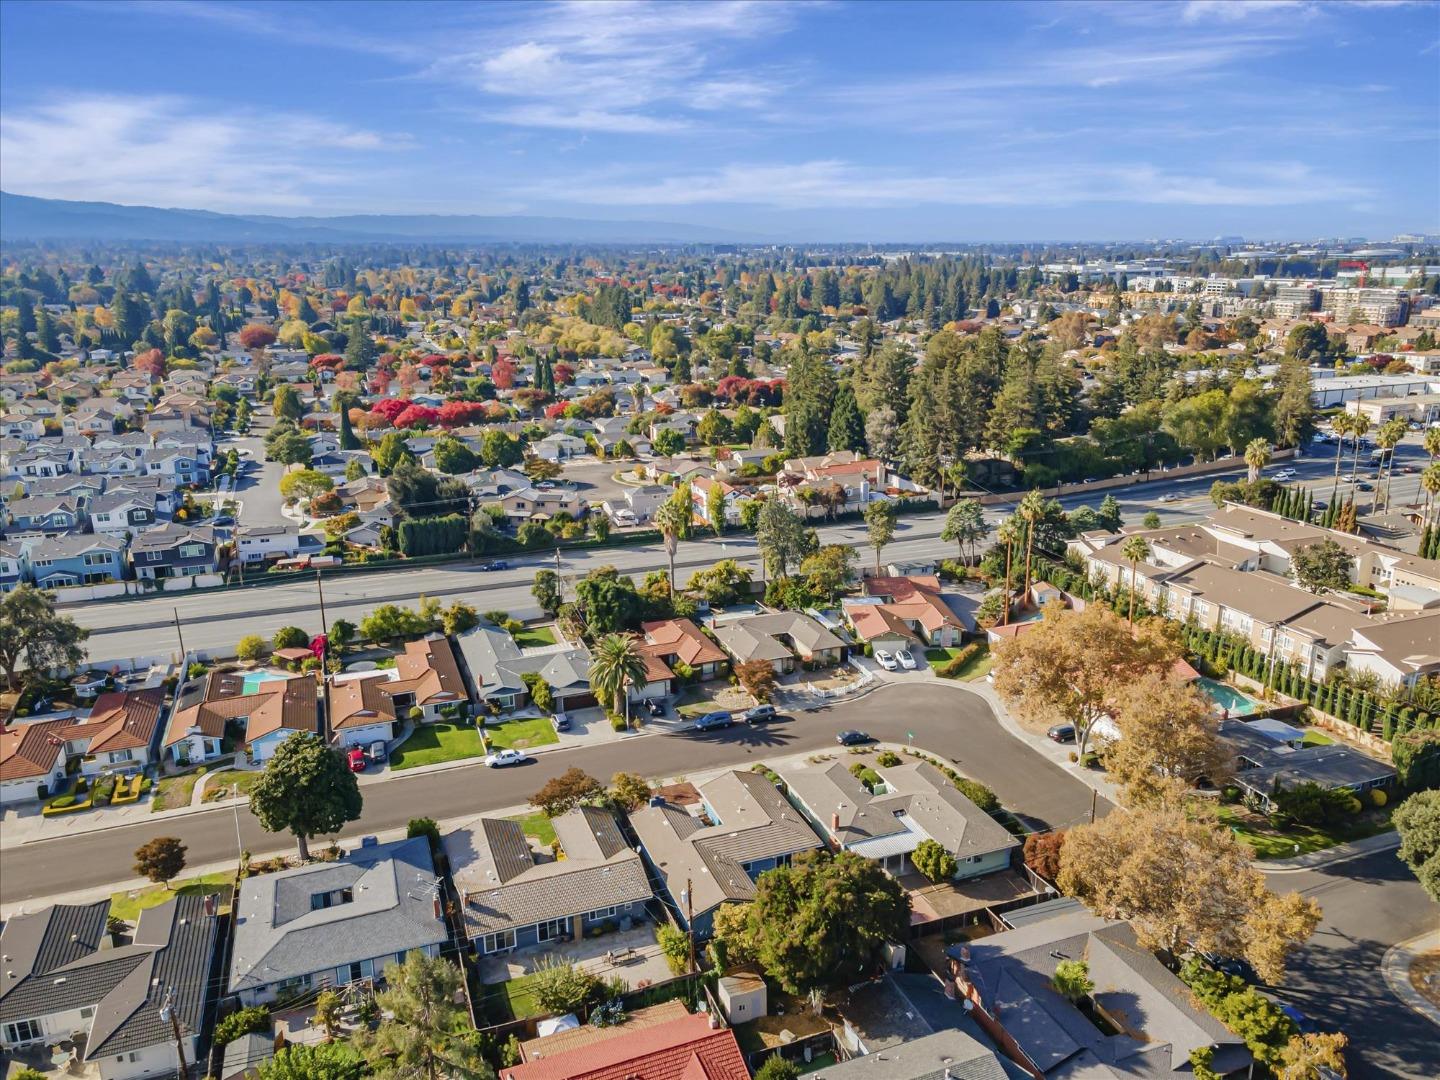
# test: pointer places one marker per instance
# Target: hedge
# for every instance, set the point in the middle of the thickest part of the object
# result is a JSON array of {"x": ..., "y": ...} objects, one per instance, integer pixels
[{"x": 956, "y": 663}]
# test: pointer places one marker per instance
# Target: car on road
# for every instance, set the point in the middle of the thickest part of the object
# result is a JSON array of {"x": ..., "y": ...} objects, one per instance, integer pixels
[
  {"x": 376, "y": 753},
  {"x": 886, "y": 661},
  {"x": 906, "y": 660},
  {"x": 1284, "y": 474},
  {"x": 1320, "y": 504},
  {"x": 497, "y": 564},
  {"x": 759, "y": 714},
  {"x": 853, "y": 738},
  {"x": 560, "y": 722},
  {"x": 713, "y": 720},
  {"x": 501, "y": 758},
  {"x": 356, "y": 759},
  {"x": 1061, "y": 733},
  {"x": 1363, "y": 485},
  {"x": 243, "y": 451},
  {"x": 1171, "y": 496},
  {"x": 1410, "y": 468}
]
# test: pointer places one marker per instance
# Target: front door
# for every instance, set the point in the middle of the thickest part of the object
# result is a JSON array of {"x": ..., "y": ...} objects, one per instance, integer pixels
[{"x": 554, "y": 929}]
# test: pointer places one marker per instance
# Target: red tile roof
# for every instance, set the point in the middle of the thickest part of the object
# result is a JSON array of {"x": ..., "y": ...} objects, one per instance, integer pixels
[
  {"x": 682, "y": 639},
  {"x": 684, "y": 1049}
]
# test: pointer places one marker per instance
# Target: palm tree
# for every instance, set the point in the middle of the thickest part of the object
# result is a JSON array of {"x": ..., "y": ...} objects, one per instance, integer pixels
[
  {"x": 1136, "y": 549},
  {"x": 1430, "y": 484},
  {"x": 1432, "y": 443},
  {"x": 1359, "y": 427},
  {"x": 1341, "y": 427},
  {"x": 1008, "y": 534},
  {"x": 615, "y": 667},
  {"x": 672, "y": 519},
  {"x": 1031, "y": 510},
  {"x": 1388, "y": 437},
  {"x": 1257, "y": 456}
]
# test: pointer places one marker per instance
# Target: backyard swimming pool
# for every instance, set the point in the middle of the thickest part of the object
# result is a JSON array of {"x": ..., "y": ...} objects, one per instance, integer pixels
[
  {"x": 251, "y": 683},
  {"x": 1228, "y": 700}
]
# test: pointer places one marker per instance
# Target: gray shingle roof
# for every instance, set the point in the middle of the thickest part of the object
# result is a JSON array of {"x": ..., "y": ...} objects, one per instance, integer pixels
[
  {"x": 278, "y": 936},
  {"x": 503, "y": 886},
  {"x": 496, "y": 663}
]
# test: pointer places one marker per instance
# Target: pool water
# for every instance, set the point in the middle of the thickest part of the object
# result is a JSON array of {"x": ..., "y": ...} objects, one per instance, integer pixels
[
  {"x": 251, "y": 683},
  {"x": 1227, "y": 699}
]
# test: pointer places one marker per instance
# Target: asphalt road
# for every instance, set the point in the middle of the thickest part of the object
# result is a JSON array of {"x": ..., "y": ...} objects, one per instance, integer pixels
[
  {"x": 1369, "y": 903},
  {"x": 957, "y": 726}
]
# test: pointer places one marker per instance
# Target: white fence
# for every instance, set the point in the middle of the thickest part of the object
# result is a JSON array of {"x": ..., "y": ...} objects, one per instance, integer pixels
[{"x": 78, "y": 594}]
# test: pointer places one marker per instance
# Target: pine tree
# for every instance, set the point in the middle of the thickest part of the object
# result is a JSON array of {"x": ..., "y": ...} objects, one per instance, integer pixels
[
  {"x": 847, "y": 426},
  {"x": 348, "y": 439}
]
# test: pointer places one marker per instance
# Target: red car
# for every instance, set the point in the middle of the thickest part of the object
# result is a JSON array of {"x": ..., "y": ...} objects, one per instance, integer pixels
[{"x": 356, "y": 757}]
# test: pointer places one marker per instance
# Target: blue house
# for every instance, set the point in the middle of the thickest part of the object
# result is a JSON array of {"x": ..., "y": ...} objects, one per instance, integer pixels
[
  {"x": 14, "y": 565},
  {"x": 514, "y": 899},
  {"x": 77, "y": 559}
]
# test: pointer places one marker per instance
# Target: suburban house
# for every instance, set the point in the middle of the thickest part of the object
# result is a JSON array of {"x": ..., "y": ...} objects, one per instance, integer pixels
[
  {"x": 47, "y": 514},
  {"x": 32, "y": 759},
  {"x": 14, "y": 565},
  {"x": 172, "y": 551},
  {"x": 120, "y": 732},
  {"x": 785, "y": 638},
  {"x": 680, "y": 642},
  {"x": 497, "y": 666},
  {"x": 1396, "y": 650},
  {"x": 180, "y": 466},
  {"x": 914, "y": 802},
  {"x": 77, "y": 559},
  {"x": 265, "y": 707},
  {"x": 365, "y": 706},
  {"x": 1153, "y": 1023},
  {"x": 334, "y": 923},
  {"x": 1266, "y": 760},
  {"x": 65, "y": 979},
  {"x": 689, "y": 1047},
  {"x": 122, "y": 513},
  {"x": 559, "y": 446},
  {"x": 513, "y": 898},
  {"x": 920, "y": 603},
  {"x": 719, "y": 836},
  {"x": 261, "y": 543},
  {"x": 636, "y": 505},
  {"x": 541, "y": 503},
  {"x": 700, "y": 489}
]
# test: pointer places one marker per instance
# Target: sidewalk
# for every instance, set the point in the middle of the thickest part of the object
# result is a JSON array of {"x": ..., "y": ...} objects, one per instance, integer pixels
[
  {"x": 1313, "y": 860},
  {"x": 1395, "y": 966}
]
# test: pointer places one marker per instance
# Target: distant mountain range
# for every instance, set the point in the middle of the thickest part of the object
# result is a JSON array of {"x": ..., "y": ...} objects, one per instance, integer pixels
[{"x": 24, "y": 217}]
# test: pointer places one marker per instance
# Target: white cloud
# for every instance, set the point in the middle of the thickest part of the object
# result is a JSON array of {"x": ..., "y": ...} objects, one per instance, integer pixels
[
  {"x": 164, "y": 151},
  {"x": 844, "y": 184}
]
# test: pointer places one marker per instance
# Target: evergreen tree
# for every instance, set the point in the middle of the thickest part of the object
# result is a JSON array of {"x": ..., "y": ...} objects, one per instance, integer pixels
[
  {"x": 348, "y": 439},
  {"x": 847, "y": 426}
]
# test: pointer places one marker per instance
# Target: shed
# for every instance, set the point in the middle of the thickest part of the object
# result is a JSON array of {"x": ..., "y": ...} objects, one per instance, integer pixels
[{"x": 742, "y": 997}]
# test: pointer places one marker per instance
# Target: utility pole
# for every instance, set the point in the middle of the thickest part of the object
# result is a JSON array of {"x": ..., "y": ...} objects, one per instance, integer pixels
[
  {"x": 167, "y": 1012},
  {"x": 235, "y": 805},
  {"x": 324, "y": 654},
  {"x": 179, "y": 635},
  {"x": 690, "y": 922},
  {"x": 1094, "y": 797}
]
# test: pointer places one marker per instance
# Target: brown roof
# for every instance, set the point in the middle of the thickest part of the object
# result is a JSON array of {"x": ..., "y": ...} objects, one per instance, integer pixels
[
  {"x": 121, "y": 721},
  {"x": 917, "y": 597},
  {"x": 428, "y": 669},
  {"x": 275, "y": 704},
  {"x": 683, "y": 640},
  {"x": 357, "y": 702},
  {"x": 29, "y": 750}
]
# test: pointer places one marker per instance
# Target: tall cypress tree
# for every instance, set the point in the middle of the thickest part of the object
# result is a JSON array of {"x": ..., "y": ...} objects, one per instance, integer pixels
[{"x": 847, "y": 426}]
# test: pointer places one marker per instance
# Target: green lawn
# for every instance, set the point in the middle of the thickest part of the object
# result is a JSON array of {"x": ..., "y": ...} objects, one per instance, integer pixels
[
  {"x": 694, "y": 702},
  {"x": 537, "y": 825},
  {"x": 533, "y": 637},
  {"x": 1316, "y": 738},
  {"x": 514, "y": 996},
  {"x": 220, "y": 787},
  {"x": 125, "y": 906},
  {"x": 430, "y": 744},
  {"x": 521, "y": 734},
  {"x": 1269, "y": 843},
  {"x": 979, "y": 665},
  {"x": 173, "y": 791}
]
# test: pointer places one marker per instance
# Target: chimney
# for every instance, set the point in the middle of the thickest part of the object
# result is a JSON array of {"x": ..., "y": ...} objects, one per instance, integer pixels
[
  {"x": 438, "y": 910},
  {"x": 834, "y": 823}
]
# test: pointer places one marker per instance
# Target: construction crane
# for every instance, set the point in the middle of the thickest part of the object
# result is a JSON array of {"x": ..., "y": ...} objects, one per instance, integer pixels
[{"x": 1362, "y": 266}]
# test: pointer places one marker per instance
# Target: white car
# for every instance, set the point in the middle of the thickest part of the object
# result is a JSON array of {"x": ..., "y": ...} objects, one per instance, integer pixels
[
  {"x": 504, "y": 757},
  {"x": 1284, "y": 474},
  {"x": 1170, "y": 496},
  {"x": 885, "y": 660},
  {"x": 906, "y": 660}
]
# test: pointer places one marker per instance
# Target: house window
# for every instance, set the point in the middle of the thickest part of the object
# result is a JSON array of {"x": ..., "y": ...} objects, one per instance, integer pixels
[
  {"x": 191, "y": 551},
  {"x": 361, "y": 969},
  {"x": 23, "y": 1031},
  {"x": 551, "y": 929},
  {"x": 504, "y": 941},
  {"x": 601, "y": 913},
  {"x": 87, "y": 1012},
  {"x": 334, "y": 898}
]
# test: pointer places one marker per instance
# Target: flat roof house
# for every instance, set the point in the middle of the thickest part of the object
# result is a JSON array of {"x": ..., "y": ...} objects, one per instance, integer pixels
[
  {"x": 65, "y": 980},
  {"x": 511, "y": 899},
  {"x": 1264, "y": 762},
  {"x": 739, "y": 827},
  {"x": 915, "y": 802},
  {"x": 331, "y": 924}
]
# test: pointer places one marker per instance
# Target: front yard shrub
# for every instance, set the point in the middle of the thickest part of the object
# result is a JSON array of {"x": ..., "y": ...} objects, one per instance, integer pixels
[
  {"x": 888, "y": 759},
  {"x": 253, "y": 1020},
  {"x": 957, "y": 663}
]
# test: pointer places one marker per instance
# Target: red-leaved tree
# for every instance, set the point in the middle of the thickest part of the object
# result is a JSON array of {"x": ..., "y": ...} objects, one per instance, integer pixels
[{"x": 256, "y": 336}]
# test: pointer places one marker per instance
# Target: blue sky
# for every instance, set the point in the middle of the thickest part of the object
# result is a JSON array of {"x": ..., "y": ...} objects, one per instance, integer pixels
[{"x": 827, "y": 120}]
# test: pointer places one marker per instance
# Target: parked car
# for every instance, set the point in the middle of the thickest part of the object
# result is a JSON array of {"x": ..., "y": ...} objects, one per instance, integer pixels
[
  {"x": 906, "y": 660},
  {"x": 713, "y": 720},
  {"x": 377, "y": 752},
  {"x": 885, "y": 660},
  {"x": 356, "y": 759},
  {"x": 501, "y": 758},
  {"x": 560, "y": 722},
  {"x": 654, "y": 707},
  {"x": 853, "y": 738},
  {"x": 1062, "y": 732},
  {"x": 1303, "y": 1023},
  {"x": 759, "y": 714}
]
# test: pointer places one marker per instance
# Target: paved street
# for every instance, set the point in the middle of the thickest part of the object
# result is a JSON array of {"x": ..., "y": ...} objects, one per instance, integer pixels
[
  {"x": 258, "y": 487},
  {"x": 1370, "y": 903},
  {"x": 955, "y": 725}
]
